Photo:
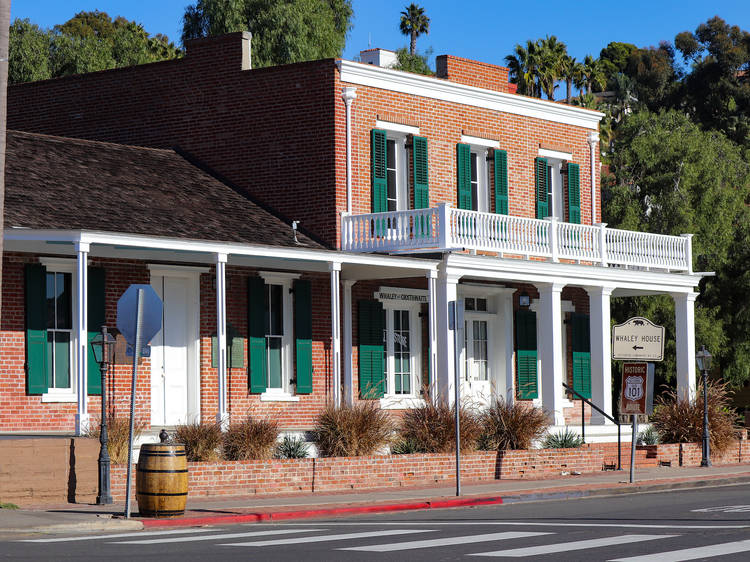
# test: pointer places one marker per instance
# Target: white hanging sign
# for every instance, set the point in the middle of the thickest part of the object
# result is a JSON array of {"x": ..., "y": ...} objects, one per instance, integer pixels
[{"x": 638, "y": 338}]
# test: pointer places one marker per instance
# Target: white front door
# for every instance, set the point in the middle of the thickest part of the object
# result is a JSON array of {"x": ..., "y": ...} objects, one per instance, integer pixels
[{"x": 173, "y": 361}]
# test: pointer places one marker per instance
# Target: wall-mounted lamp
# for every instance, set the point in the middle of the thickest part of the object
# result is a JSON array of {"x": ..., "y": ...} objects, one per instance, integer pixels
[{"x": 524, "y": 299}]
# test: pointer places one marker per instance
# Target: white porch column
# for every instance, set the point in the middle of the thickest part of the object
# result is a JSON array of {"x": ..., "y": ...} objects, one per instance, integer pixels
[
  {"x": 335, "y": 268},
  {"x": 446, "y": 294},
  {"x": 82, "y": 415},
  {"x": 433, "y": 344},
  {"x": 222, "y": 415},
  {"x": 684, "y": 316},
  {"x": 601, "y": 351},
  {"x": 348, "y": 359},
  {"x": 551, "y": 352}
]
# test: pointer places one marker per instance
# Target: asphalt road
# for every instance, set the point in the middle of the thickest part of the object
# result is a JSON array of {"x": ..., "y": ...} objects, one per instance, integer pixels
[{"x": 703, "y": 524}]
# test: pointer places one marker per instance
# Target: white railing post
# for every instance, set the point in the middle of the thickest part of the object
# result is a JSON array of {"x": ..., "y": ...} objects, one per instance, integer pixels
[
  {"x": 345, "y": 238},
  {"x": 554, "y": 238},
  {"x": 603, "y": 242},
  {"x": 688, "y": 252},
  {"x": 444, "y": 226}
]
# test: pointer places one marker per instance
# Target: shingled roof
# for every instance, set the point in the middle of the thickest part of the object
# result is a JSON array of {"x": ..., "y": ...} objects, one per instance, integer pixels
[{"x": 72, "y": 184}]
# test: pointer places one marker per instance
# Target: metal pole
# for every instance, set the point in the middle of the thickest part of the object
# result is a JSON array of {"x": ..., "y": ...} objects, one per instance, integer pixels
[
  {"x": 706, "y": 460},
  {"x": 105, "y": 496},
  {"x": 619, "y": 448},
  {"x": 136, "y": 355},
  {"x": 632, "y": 449},
  {"x": 583, "y": 421},
  {"x": 457, "y": 405}
]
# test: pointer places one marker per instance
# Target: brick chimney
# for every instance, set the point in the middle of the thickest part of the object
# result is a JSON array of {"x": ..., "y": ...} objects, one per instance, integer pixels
[
  {"x": 221, "y": 52},
  {"x": 472, "y": 73}
]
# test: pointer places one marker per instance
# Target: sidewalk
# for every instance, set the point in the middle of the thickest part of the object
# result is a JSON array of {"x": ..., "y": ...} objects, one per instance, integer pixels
[{"x": 85, "y": 518}]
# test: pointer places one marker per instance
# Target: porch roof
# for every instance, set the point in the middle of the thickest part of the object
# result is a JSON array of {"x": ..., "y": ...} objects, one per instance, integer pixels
[{"x": 72, "y": 184}]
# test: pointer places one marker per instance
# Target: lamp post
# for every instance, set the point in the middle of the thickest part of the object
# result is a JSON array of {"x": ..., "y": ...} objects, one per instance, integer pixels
[
  {"x": 102, "y": 345},
  {"x": 703, "y": 357}
]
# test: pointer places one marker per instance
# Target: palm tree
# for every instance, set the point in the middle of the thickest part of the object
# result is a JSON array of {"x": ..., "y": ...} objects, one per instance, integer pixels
[
  {"x": 593, "y": 73},
  {"x": 524, "y": 68},
  {"x": 414, "y": 23},
  {"x": 552, "y": 53},
  {"x": 568, "y": 69}
]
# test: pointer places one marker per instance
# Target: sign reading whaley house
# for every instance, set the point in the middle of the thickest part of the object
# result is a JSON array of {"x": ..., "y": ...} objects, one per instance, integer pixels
[{"x": 638, "y": 338}]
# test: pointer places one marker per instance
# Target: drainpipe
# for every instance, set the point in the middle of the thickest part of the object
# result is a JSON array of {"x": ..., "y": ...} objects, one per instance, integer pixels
[
  {"x": 349, "y": 95},
  {"x": 593, "y": 140}
]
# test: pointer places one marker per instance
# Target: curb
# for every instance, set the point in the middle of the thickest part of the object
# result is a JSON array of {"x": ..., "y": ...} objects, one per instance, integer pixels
[
  {"x": 80, "y": 527},
  {"x": 320, "y": 512},
  {"x": 257, "y": 517}
]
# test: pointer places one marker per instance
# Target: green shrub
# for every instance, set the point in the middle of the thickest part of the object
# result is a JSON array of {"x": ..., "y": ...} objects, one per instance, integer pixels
[
  {"x": 251, "y": 440},
  {"x": 7, "y": 505},
  {"x": 349, "y": 431},
  {"x": 648, "y": 436},
  {"x": 432, "y": 428},
  {"x": 291, "y": 447},
  {"x": 118, "y": 437},
  {"x": 405, "y": 447},
  {"x": 564, "y": 439},
  {"x": 511, "y": 426},
  {"x": 203, "y": 442},
  {"x": 679, "y": 420}
]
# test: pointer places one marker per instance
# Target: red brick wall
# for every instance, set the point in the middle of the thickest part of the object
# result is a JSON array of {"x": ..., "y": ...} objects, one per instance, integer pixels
[
  {"x": 472, "y": 73},
  {"x": 339, "y": 474}
]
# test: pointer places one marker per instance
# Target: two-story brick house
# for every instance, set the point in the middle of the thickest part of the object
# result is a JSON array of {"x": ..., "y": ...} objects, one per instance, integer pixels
[{"x": 483, "y": 197}]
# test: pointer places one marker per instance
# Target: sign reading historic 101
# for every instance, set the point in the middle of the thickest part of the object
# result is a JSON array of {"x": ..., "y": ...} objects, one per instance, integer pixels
[{"x": 638, "y": 338}]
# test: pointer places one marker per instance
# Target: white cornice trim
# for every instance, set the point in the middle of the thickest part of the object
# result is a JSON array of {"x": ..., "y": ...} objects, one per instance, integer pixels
[
  {"x": 557, "y": 154},
  {"x": 479, "y": 141},
  {"x": 435, "y": 88}
]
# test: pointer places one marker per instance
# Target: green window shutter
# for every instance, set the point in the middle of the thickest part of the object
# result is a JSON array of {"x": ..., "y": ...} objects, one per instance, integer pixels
[
  {"x": 95, "y": 320},
  {"x": 526, "y": 355},
  {"x": 421, "y": 173},
  {"x": 501, "y": 181},
  {"x": 256, "y": 314},
  {"x": 581, "y": 354},
  {"x": 303, "y": 335},
  {"x": 463, "y": 167},
  {"x": 574, "y": 193},
  {"x": 371, "y": 363},
  {"x": 379, "y": 172},
  {"x": 542, "y": 184},
  {"x": 35, "y": 277}
]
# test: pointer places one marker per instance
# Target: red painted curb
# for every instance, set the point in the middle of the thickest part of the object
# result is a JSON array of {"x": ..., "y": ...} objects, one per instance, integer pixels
[{"x": 319, "y": 512}]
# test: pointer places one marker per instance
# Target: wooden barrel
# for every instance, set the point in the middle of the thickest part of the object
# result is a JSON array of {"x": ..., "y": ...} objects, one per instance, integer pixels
[{"x": 161, "y": 480}]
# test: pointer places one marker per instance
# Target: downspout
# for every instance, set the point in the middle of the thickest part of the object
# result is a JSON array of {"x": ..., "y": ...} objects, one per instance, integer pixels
[
  {"x": 349, "y": 95},
  {"x": 593, "y": 140}
]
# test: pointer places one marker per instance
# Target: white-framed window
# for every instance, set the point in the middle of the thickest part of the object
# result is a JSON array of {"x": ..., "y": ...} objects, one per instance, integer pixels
[
  {"x": 279, "y": 328},
  {"x": 397, "y": 169},
  {"x": 479, "y": 179},
  {"x": 555, "y": 159},
  {"x": 402, "y": 347},
  {"x": 62, "y": 329},
  {"x": 477, "y": 327}
]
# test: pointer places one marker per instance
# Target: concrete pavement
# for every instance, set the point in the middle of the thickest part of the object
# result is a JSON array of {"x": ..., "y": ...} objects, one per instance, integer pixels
[{"x": 85, "y": 518}]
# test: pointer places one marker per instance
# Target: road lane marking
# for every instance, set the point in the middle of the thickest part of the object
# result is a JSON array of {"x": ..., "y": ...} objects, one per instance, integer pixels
[
  {"x": 220, "y": 536},
  {"x": 325, "y": 538},
  {"x": 573, "y": 545},
  {"x": 118, "y": 535},
  {"x": 448, "y": 541},
  {"x": 528, "y": 524},
  {"x": 691, "y": 553},
  {"x": 723, "y": 509}
]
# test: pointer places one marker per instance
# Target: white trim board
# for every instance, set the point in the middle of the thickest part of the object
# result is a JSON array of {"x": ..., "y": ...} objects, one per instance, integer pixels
[{"x": 444, "y": 90}]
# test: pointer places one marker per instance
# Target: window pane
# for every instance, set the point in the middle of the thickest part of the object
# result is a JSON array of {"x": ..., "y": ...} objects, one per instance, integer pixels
[
  {"x": 64, "y": 300},
  {"x": 392, "y": 176},
  {"x": 482, "y": 305},
  {"x": 401, "y": 355},
  {"x": 469, "y": 304},
  {"x": 276, "y": 312},
  {"x": 274, "y": 361},
  {"x": 50, "y": 301},
  {"x": 474, "y": 182},
  {"x": 58, "y": 357}
]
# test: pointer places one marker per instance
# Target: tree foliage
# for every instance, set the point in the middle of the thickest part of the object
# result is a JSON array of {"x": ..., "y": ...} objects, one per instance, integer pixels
[
  {"x": 413, "y": 63},
  {"x": 88, "y": 42},
  {"x": 284, "y": 31}
]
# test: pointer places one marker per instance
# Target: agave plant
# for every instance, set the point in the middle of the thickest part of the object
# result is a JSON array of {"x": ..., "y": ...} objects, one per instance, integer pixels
[{"x": 564, "y": 439}]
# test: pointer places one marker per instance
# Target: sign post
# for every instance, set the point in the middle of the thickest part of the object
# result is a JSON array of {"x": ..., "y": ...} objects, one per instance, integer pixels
[
  {"x": 139, "y": 312},
  {"x": 456, "y": 321},
  {"x": 636, "y": 398}
]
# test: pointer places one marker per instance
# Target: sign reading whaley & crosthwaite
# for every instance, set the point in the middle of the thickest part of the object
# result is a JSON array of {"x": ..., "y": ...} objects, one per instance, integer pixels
[
  {"x": 402, "y": 295},
  {"x": 638, "y": 338}
]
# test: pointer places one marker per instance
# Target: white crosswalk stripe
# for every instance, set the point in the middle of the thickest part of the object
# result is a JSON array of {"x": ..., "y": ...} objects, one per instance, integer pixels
[
  {"x": 121, "y": 535},
  {"x": 221, "y": 537},
  {"x": 448, "y": 541},
  {"x": 325, "y": 538},
  {"x": 691, "y": 553},
  {"x": 573, "y": 545}
]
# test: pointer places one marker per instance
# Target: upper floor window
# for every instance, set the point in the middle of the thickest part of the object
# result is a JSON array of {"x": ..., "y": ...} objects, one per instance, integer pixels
[
  {"x": 557, "y": 180},
  {"x": 475, "y": 159},
  {"x": 397, "y": 186}
]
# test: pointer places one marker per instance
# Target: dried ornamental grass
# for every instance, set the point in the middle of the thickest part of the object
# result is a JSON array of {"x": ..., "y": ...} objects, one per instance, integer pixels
[
  {"x": 349, "y": 431},
  {"x": 511, "y": 426},
  {"x": 432, "y": 428},
  {"x": 202, "y": 442},
  {"x": 118, "y": 437},
  {"x": 251, "y": 440},
  {"x": 679, "y": 420}
]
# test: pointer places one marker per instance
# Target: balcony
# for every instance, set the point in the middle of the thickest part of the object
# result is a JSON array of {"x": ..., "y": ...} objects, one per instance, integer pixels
[{"x": 443, "y": 228}]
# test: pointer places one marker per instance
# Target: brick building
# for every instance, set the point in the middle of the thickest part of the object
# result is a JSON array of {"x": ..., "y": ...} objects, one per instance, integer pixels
[{"x": 410, "y": 196}]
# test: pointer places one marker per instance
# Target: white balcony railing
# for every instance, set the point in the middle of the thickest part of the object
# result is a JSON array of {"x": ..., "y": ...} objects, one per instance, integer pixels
[{"x": 444, "y": 228}]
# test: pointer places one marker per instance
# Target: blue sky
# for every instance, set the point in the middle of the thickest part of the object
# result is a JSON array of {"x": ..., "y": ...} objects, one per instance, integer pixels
[{"x": 485, "y": 30}]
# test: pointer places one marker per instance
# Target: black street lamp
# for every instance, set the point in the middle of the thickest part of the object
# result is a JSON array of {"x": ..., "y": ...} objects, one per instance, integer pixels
[
  {"x": 703, "y": 357},
  {"x": 102, "y": 346}
]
